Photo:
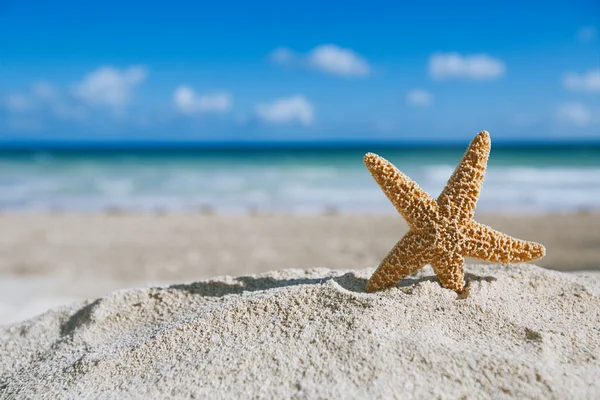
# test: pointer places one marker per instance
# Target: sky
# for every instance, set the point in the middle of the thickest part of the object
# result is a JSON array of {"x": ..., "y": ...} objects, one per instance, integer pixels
[{"x": 299, "y": 70}]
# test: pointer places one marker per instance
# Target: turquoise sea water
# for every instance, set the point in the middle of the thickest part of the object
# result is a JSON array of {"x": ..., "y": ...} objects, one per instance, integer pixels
[{"x": 526, "y": 179}]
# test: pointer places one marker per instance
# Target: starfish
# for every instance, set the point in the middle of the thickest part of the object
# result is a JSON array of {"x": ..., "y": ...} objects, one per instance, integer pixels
[{"x": 442, "y": 232}]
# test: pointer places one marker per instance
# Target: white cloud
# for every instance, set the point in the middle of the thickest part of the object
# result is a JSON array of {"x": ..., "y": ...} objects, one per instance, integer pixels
[
  {"x": 419, "y": 97},
  {"x": 585, "y": 82},
  {"x": 188, "y": 102},
  {"x": 338, "y": 61},
  {"x": 290, "y": 109},
  {"x": 109, "y": 86},
  {"x": 327, "y": 58},
  {"x": 475, "y": 67},
  {"x": 587, "y": 34},
  {"x": 18, "y": 103},
  {"x": 283, "y": 56},
  {"x": 574, "y": 113}
]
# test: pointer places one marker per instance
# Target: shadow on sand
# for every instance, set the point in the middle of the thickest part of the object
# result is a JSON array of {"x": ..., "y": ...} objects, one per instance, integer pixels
[
  {"x": 241, "y": 284},
  {"x": 348, "y": 281}
]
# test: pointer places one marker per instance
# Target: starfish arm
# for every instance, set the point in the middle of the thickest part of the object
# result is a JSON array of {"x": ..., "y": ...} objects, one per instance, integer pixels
[
  {"x": 487, "y": 244},
  {"x": 415, "y": 205},
  {"x": 449, "y": 269},
  {"x": 459, "y": 198},
  {"x": 407, "y": 256}
]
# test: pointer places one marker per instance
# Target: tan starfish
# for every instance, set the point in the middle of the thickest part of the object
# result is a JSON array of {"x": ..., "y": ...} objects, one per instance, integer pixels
[{"x": 442, "y": 232}]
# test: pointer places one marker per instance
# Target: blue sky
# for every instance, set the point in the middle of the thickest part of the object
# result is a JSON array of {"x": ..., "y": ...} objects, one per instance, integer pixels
[{"x": 303, "y": 70}]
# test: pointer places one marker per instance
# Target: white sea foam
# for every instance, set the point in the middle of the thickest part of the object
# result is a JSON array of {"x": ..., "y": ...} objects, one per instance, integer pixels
[{"x": 142, "y": 185}]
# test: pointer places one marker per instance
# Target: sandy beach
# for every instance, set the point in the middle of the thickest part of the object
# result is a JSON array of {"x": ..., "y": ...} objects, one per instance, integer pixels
[
  {"x": 54, "y": 259},
  {"x": 519, "y": 332},
  {"x": 122, "y": 305}
]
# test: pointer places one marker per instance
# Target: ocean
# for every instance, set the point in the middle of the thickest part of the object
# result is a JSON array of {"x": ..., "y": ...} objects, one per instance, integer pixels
[{"x": 519, "y": 179}]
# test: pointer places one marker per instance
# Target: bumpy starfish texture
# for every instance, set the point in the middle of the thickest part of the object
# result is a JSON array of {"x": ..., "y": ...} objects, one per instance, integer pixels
[{"x": 442, "y": 232}]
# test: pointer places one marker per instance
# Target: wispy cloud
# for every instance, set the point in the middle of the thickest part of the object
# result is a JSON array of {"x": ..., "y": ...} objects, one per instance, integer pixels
[
  {"x": 328, "y": 58},
  {"x": 188, "y": 102},
  {"x": 285, "y": 110},
  {"x": 66, "y": 111},
  {"x": 109, "y": 86},
  {"x": 586, "y": 82},
  {"x": 473, "y": 67},
  {"x": 419, "y": 97},
  {"x": 17, "y": 103},
  {"x": 587, "y": 34},
  {"x": 574, "y": 113},
  {"x": 41, "y": 101},
  {"x": 283, "y": 56},
  {"x": 44, "y": 91}
]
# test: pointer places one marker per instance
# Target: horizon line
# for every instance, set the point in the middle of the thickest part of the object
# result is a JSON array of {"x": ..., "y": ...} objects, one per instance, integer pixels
[{"x": 32, "y": 145}]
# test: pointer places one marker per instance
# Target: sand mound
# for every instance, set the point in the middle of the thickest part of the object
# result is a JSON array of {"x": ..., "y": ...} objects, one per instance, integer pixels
[{"x": 521, "y": 332}]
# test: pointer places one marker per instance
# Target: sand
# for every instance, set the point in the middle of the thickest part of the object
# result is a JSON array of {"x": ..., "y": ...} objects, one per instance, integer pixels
[
  {"x": 522, "y": 332},
  {"x": 51, "y": 259}
]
